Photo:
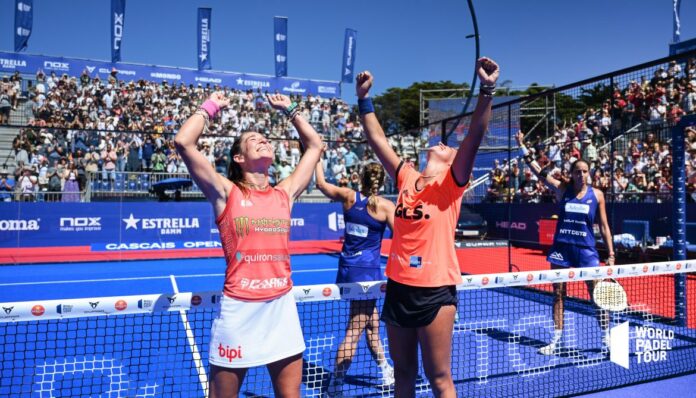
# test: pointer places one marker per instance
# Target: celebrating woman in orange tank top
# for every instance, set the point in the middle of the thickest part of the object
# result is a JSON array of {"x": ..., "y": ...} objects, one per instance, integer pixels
[
  {"x": 422, "y": 270},
  {"x": 258, "y": 322}
]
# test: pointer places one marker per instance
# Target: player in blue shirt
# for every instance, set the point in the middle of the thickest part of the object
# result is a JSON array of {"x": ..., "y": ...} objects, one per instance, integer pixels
[
  {"x": 365, "y": 215},
  {"x": 574, "y": 242}
]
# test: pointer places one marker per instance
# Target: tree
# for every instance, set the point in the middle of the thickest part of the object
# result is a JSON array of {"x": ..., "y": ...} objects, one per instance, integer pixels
[{"x": 398, "y": 108}]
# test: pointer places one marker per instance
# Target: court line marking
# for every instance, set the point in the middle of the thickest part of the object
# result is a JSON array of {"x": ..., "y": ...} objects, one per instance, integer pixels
[
  {"x": 202, "y": 376},
  {"x": 143, "y": 278}
]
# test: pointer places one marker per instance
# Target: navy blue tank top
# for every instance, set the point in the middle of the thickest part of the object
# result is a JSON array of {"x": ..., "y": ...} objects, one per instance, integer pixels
[
  {"x": 362, "y": 237},
  {"x": 576, "y": 219}
]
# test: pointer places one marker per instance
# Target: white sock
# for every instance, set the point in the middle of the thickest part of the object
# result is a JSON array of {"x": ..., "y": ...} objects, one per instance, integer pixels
[{"x": 557, "y": 334}]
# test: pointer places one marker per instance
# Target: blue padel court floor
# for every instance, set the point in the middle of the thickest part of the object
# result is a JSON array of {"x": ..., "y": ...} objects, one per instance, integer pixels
[{"x": 495, "y": 341}]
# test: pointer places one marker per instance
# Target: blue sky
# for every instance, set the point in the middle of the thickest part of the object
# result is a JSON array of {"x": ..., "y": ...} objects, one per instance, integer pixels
[{"x": 544, "y": 41}]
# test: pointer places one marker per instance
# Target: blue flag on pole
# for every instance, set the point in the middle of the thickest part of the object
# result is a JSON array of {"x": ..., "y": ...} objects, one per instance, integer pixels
[
  {"x": 677, "y": 24},
  {"x": 280, "y": 44},
  {"x": 348, "y": 67},
  {"x": 118, "y": 13},
  {"x": 24, "y": 16},
  {"x": 204, "y": 25}
]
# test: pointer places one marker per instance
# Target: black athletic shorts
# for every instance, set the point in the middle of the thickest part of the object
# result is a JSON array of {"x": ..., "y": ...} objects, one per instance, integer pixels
[{"x": 412, "y": 306}]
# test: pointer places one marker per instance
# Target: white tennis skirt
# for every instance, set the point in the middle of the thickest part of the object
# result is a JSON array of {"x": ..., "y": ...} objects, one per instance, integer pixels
[{"x": 247, "y": 334}]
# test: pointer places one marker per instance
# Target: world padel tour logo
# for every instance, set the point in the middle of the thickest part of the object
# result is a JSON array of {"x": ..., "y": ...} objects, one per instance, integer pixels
[
  {"x": 166, "y": 226},
  {"x": 650, "y": 344}
]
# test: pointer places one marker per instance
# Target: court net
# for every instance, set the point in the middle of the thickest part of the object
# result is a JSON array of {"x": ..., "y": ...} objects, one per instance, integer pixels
[{"x": 158, "y": 345}]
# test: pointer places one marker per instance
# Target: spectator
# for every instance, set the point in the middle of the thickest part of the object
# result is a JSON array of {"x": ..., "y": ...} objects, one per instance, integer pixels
[
  {"x": 108, "y": 162},
  {"x": 7, "y": 186},
  {"x": 27, "y": 185},
  {"x": 71, "y": 188}
]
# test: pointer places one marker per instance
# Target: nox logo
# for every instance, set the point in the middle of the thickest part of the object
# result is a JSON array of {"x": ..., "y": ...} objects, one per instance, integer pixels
[
  {"x": 365, "y": 288},
  {"x": 56, "y": 65},
  {"x": 93, "y": 304},
  {"x": 90, "y": 69},
  {"x": 80, "y": 223},
  {"x": 7, "y": 310},
  {"x": 306, "y": 291},
  {"x": 469, "y": 280},
  {"x": 171, "y": 299},
  {"x": 118, "y": 30}
]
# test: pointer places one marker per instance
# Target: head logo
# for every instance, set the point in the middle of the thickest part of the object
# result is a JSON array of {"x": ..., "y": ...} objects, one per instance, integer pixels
[
  {"x": 196, "y": 300},
  {"x": 121, "y": 305},
  {"x": 7, "y": 310},
  {"x": 38, "y": 310},
  {"x": 484, "y": 281},
  {"x": 93, "y": 304},
  {"x": 326, "y": 292}
]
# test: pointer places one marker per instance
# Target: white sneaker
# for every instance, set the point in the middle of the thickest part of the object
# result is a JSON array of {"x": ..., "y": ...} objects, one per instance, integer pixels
[
  {"x": 551, "y": 349},
  {"x": 335, "y": 389},
  {"x": 607, "y": 343}
]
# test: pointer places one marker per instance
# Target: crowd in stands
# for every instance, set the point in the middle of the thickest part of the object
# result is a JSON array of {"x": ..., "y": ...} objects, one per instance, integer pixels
[
  {"x": 639, "y": 169},
  {"x": 85, "y": 125}
]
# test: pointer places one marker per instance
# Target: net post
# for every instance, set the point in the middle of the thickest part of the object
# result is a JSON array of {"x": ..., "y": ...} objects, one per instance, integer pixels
[{"x": 679, "y": 214}]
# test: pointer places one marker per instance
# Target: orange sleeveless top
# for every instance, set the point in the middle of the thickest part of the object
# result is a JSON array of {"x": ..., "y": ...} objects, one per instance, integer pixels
[
  {"x": 255, "y": 230},
  {"x": 422, "y": 251}
]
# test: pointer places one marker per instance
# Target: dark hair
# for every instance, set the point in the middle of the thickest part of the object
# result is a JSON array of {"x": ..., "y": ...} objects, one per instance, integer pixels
[
  {"x": 234, "y": 170},
  {"x": 575, "y": 163},
  {"x": 371, "y": 180}
]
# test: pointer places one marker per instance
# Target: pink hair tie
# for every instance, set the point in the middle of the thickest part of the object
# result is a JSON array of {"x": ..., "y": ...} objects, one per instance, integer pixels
[{"x": 211, "y": 107}]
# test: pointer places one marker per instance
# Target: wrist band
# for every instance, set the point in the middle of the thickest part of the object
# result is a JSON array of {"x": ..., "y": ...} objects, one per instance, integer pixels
[
  {"x": 487, "y": 90},
  {"x": 211, "y": 108},
  {"x": 365, "y": 106},
  {"x": 524, "y": 150},
  {"x": 290, "y": 109}
]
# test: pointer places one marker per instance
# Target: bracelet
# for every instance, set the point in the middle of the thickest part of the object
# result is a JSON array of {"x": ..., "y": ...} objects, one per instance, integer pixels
[
  {"x": 365, "y": 106},
  {"x": 206, "y": 118},
  {"x": 290, "y": 109},
  {"x": 487, "y": 90},
  {"x": 211, "y": 108}
]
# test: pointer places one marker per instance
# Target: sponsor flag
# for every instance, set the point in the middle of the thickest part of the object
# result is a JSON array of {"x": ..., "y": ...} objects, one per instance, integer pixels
[
  {"x": 118, "y": 13},
  {"x": 348, "y": 56},
  {"x": 677, "y": 24},
  {"x": 204, "y": 20},
  {"x": 24, "y": 16},
  {"x": 280, "y": 45}
]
